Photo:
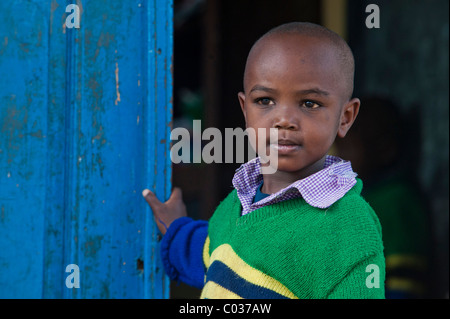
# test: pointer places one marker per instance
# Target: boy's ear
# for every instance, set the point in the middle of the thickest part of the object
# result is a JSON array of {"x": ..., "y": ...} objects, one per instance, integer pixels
[
  {"x": 348, "y": 116},
  {"x": 241, "y": 97}
]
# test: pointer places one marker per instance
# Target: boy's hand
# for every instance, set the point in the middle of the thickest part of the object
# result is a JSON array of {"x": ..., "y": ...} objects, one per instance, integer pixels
[{"x": 166, "y": 213}]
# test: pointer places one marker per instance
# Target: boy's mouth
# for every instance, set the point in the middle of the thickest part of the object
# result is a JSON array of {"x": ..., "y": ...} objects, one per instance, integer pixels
[{"x": 285, "y": 146}]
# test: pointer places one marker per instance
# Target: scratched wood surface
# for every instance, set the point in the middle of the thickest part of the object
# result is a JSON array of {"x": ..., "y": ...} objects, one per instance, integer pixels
[{"x": 85, "y": 119}]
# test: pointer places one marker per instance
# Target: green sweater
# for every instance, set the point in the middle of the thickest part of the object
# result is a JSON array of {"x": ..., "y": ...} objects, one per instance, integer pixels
[{"x": 293, "y": 250}]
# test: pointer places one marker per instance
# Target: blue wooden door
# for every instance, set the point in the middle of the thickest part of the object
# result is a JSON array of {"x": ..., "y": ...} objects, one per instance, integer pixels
[{"x": 85, "y": 117}]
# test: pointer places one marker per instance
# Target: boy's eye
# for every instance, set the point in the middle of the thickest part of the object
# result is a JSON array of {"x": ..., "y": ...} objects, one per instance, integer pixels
[
  {"x": 264, "y": 101},
  {"x": 311, "y": 104}
]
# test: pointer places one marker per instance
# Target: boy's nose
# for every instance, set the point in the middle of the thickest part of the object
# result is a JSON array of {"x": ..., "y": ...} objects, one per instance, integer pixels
[{"x": 285, "y": 121}]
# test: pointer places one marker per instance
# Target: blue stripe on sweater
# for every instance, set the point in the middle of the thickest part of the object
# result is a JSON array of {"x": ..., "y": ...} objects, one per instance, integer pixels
[{"x": 222, "y": 275}]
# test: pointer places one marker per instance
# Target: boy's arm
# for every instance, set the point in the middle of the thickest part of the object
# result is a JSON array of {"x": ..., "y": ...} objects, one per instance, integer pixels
[
  {"x": 183, "y": 241},
  {"x": 182, "y": 251},
  {"x": 364, "y": 281}
]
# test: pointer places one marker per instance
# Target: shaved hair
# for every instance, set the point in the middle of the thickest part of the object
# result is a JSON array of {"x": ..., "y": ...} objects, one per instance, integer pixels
[{"x": 343, "y": 52}]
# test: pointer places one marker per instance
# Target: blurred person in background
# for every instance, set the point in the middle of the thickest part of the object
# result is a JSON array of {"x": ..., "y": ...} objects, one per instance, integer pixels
[{"x": 383, "y": 147}]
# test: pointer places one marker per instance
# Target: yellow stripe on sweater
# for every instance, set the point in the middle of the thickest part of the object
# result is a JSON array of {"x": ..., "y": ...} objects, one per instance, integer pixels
[
  {"x": 206, "y": 253},
  {"x": 226, "y": 255},
  {"x": 214, "y": 291}
]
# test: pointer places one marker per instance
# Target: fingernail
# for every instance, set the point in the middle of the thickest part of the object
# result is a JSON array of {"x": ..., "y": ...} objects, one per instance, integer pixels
[{"x": 145, "y": 192}]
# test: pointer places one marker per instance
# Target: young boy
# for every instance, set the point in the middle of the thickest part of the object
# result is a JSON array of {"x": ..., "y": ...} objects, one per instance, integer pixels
[{"x": 303, "y": 231}]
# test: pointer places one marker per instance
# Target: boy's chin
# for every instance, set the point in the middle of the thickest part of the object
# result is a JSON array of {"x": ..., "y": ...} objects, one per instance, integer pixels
[
  {"x": 296, "y": 166},
  {"x": 288, "y": 167}
]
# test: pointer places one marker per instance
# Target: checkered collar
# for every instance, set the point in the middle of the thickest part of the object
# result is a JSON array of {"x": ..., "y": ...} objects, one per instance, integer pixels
[{"x": 320, "y": 190}]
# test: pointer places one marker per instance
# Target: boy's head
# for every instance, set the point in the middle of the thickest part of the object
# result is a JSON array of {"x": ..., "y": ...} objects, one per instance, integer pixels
[{"x": 299, "y": 79}]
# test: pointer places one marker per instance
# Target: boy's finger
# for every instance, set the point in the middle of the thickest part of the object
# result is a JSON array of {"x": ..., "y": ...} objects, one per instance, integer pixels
[
  {"x": 176, "y": 198},
  {"x": 177, "y": 194},
  {"x": 151, "y": 198}
]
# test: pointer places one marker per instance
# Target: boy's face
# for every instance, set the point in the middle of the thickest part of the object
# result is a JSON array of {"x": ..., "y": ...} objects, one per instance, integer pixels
[{"x": 293, "y": 83}]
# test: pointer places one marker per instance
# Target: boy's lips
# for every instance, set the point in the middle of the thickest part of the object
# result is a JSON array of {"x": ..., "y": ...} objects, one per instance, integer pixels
[{"x": 285, "y": 146}]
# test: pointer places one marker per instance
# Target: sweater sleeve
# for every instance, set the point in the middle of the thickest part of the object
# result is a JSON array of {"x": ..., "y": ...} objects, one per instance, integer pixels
[
  {"x": 364, "y": 281},
  {"x": 182, "y": 251}
]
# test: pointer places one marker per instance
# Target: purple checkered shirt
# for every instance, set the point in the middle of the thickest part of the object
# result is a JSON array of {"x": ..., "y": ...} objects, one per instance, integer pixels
[{"x": 320, "y": 189}]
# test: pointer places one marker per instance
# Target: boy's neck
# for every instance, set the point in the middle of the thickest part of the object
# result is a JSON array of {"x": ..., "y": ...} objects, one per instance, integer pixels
[{"x": 282, "y": 179}]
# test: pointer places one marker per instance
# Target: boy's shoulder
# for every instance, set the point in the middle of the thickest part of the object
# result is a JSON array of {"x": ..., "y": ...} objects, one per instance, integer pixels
[
  {"x": 228, "y": 208},
  {"x": 354, "y": 221},
  {"x": 229, "y": 201},
  {"x": 350, "y": 221},
  {"x": 355, "y": 208}
]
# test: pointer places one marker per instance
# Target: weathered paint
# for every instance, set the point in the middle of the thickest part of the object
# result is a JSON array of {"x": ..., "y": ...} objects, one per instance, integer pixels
[{"x": 82, "y": 116}]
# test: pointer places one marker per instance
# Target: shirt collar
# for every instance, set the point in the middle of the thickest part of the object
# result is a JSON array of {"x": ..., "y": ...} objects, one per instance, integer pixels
[{"x": 321, "y": 189}]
